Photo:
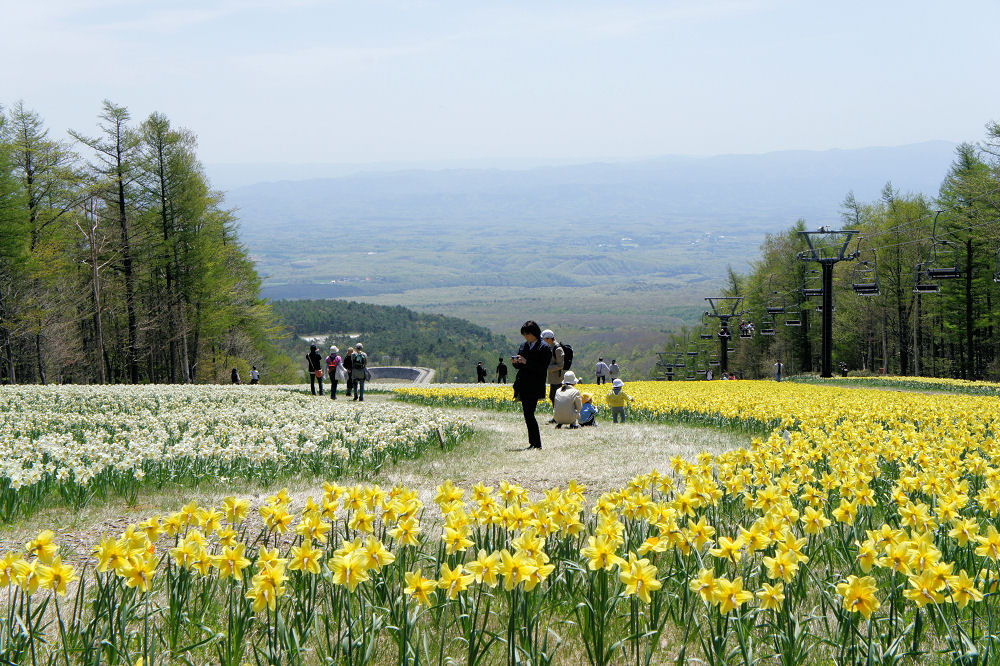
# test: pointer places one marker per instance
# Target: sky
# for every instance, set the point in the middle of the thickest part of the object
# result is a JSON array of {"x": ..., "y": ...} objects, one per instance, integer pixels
[{"x": 378, "y": 81}]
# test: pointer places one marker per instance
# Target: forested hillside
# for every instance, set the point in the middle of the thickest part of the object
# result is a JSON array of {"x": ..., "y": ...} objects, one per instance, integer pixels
[
  {"x": 394, "y": 336},
  {"x": 118, "y": 263},
  {"x": 930, "y": 267}
]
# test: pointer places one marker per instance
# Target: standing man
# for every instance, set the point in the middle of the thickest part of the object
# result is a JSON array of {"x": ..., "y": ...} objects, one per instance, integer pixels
[
  {"x": 348, "y": 362},
  {"x": 480, "y": 373},
  {"x": 532, "y": 362},
  {"x": 614, "y": 371},
  {"x": 501, "y": 372},
  {"x": 602, "y": 371},
  {"x": 779, "y": 369},
  {"x": 556, "y": 362},
  {"x": 255, "y": 375},
  {"x": 315, "y": 363},
  {"x": 360, "y": 372}
]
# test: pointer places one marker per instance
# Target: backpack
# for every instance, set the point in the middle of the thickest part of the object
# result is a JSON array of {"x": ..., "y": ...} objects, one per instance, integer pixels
[
  {"x": 360, "y": 361},
  {"x": 567, "y": 356}
]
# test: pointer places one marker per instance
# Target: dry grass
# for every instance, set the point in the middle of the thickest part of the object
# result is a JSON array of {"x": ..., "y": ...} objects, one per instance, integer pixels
[{"x": 603, "y": 458}]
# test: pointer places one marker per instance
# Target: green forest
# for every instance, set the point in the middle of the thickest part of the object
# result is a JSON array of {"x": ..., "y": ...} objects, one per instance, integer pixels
[
  {"x": 118, "y": 263},
  {"x": 394, "y": 335},
  {"x": 918, "y": 293}
]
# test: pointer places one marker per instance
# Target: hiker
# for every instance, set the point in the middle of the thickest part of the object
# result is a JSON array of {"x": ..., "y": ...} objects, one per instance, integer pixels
[
  {"x": 556, "y": 362},
  {"x": 315, "y": 362},
  {"x": 480, "y": 373},
  {"x": 617, "y": 400},
  {"x": 254, "y": 375},
  {"x": 349, "y": 369},
  {"x": 602, "y": 371},
  {"x": 567, "y": 404},
  {"x": 235, "y": 376},
  {"x": 588, "y": 413},
  {"x": 501, "y": 372},
  {"x": 532, "y": 362},
  {"x": 360, "y": 371},
  {"x": 779, "y": 370},
  {"x": 614, "y": 370},
  {"x": 333, "y": 363}
]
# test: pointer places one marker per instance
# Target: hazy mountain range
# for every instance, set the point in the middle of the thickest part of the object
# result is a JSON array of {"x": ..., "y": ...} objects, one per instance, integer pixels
[{"x": 606, "y": 251}]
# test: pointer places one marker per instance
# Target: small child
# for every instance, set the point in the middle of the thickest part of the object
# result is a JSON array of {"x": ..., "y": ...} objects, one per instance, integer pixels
[
  {"x": 588, "y": 413},
  {"x": 617, "y": 399}
]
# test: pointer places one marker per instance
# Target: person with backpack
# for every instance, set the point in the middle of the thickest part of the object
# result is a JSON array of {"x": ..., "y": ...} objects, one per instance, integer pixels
[
  {"x": 501, "y": 372},
  {"x": 480, "y": 373},
  {"x": 349, "y": 369},
  {"x": 556, "y": 368},
  {"x": 315, "y": 364},
  {"x": 360, "y": 371},
  {"x": 333, "y": 362},
  {"x": 602, "y": 371},
  {"x": 532, "y": 362}
]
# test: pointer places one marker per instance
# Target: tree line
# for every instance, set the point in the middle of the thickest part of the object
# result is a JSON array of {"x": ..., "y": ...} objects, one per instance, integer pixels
[
  {"x": 918, "y": 322},
  {"x": 118, "y": 262},
  {"x": 394, "y": 335}
]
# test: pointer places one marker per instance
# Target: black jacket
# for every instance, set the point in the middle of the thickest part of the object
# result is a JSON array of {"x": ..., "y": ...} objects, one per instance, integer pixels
[
  {"x": 530, "y": 382},
  {"x": 315, "y": 361}
]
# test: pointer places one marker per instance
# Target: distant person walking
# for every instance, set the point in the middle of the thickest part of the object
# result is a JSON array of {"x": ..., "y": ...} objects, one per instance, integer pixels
[
  {"x": 557, "y": 362},
  {"x": 501, "y": 372},
  {"x": 333, "y": 363},
  {"x": 480, "y": 373},
  {"x": 532, "y": 363},
  {"x": 614, "y": 371},
  {"x": 779, "y": 370},
  {"x": 235, "y": 376},
  {"x": 255, "y": 375},
  {"x": 602, "y": 371},
  {"x": 360, "y": 371},
  {"x": 315, "y": 362}
]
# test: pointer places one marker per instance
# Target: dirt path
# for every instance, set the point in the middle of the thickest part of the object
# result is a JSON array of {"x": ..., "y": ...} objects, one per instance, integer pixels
[{"x": 603, "y": 458}]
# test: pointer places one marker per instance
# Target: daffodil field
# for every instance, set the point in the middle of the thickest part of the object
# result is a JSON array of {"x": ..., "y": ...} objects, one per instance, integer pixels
[
  {"x": 82, "y": 443},
  {"x": 862, "y": 528}
]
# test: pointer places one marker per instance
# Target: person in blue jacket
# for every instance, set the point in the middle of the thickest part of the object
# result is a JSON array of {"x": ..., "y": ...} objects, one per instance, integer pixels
[{"x": 588, "y": 413}]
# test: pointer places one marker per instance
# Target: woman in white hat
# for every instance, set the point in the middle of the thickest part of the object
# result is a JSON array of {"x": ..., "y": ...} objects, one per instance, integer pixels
[{"x": 567, "y": 402}]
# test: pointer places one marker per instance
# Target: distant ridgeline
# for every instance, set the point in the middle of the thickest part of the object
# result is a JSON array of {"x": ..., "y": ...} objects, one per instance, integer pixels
[{"x": 394, "y": 335}]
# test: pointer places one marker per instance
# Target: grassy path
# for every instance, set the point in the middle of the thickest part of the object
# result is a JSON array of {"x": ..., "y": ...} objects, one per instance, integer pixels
[{"x": 603, "y": 458}]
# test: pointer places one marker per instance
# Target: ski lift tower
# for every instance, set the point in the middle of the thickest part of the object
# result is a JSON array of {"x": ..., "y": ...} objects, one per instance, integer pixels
[
  {"x": 827, "y": 247},
  {"x": 724, "y": 308}
]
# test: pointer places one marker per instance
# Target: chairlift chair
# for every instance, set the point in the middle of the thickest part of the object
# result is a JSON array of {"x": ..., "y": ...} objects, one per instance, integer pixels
[
  {"x": 864, "y": 279},
  {"x": 946, "y": 267},
  {"x": 767, "y": 325},
  {"x": 746, "y": 333},
  {"x": 793, "y": 316},
  {"x": 774, "y": 304},
  {"x": 922, "y": 282},
  {"x": 812, "y": 283}
]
